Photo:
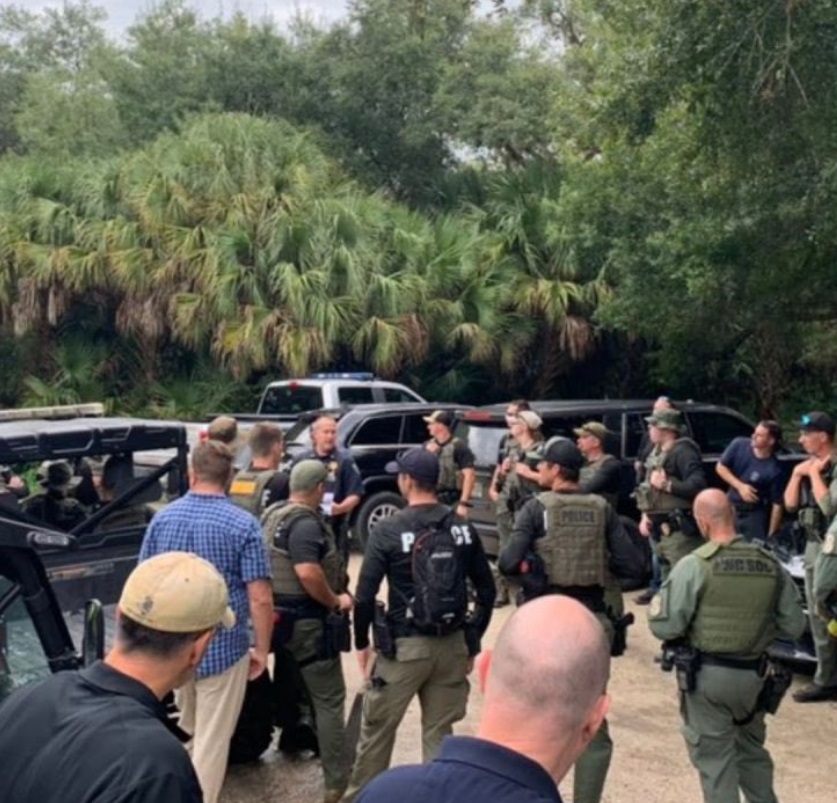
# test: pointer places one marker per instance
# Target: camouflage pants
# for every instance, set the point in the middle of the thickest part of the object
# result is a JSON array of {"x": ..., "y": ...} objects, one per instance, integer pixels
[{"x": 435, "y": 669}]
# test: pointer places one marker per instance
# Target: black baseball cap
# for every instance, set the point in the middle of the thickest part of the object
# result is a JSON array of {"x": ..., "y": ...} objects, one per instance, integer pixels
[
  {"x": 418, "y": 463},
  {"x": 817, "y": 422},
  {"x": 560, "y": 452}
]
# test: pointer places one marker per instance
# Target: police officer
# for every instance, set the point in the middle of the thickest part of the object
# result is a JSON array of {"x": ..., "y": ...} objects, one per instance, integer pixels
[
  {"x": 514, "y": 482},
  {"x": 308, "y": 590},
  {"x": 812, "y": 492},
  {"x": 261, "y": 484},
  {"x": 573, "y": 541},
  {"x": 428, "y": 660},
  {"x": 724, "y": 603},
  {"x": 457, "y": 474},
  {"x": 54, "y": 505},
  {"x": 344, "y": 488},
  {"x": 673, "y": 478},
  {"x": 825, "y": 586}
]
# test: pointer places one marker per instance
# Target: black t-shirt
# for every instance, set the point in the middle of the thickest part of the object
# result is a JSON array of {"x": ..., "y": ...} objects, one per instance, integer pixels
[
  {"x": 277, "y": 490},
  {"x": 389, "y": 555},
  {"x": 94, "y": 736},
  {"x": 306, "y": 540}
]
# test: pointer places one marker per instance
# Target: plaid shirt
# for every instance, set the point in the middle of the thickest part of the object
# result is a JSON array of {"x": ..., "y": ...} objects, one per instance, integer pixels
[{"x": 212, "y": 527}]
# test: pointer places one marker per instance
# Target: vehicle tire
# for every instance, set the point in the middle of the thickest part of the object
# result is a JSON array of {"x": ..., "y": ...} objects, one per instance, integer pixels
[
  {"x": 642, "y": 545},
  {"x": 254, "y": 729},
  {"x": 374, "y": 509}
]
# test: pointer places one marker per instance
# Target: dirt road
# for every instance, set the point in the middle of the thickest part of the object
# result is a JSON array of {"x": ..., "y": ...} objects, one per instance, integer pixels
[{"x": 650, "y": 763}]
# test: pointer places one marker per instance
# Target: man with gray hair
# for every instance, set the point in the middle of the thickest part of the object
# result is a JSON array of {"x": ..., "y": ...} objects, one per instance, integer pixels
[{"x": 545, "y": 687}]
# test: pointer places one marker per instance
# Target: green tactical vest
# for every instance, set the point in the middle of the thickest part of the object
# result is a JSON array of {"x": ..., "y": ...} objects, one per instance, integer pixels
[
  {"x": 449, "y": 476},
  {"x": 652, "y": 500},
  {"x": 516, "y": 489},
  {"x": 736, "y": 615},
  {"x": 247, "y": 488},
  {"x": 588, "y": 471},
  {"x": 811, "y": 518},
  {"x": 573, "y": 550},
  {"x": 281, "y": 516}
]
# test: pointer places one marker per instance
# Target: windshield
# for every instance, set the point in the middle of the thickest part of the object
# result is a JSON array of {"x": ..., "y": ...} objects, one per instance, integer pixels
[
  {"x": 291, "y": 399},
  {"x": 484, "y": 441},
  {"x": 22, "y": 659}
]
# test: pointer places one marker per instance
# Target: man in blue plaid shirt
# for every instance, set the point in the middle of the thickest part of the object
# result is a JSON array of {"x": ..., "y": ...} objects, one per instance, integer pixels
[{"x": 206, "y": 523}]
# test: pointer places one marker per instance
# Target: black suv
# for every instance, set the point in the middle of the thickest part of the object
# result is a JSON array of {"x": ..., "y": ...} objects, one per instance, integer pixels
[
  {"x": 375, "y": 434},
  {"x": 103, "y": 550}
]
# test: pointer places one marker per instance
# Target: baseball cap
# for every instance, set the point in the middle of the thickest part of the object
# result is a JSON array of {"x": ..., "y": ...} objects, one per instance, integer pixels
[
  {"x": 530, "y": 418},
  {"x": 817, "y": 422},
  {"x": 57, "y": 474},
  {"x": 420, "y": 464},
  {"x": 445, "y": 417},
  {"x": 666, "y": 419},
  {"x": 177, "y": 592},
  {"x": 594, "y": 428},
  {"x": 307, "y": 475},
  {"x": 561, "y": 452}
]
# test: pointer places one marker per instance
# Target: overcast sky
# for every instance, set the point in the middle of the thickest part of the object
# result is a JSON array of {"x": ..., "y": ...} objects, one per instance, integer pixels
[{"x": 121, "y": 13}]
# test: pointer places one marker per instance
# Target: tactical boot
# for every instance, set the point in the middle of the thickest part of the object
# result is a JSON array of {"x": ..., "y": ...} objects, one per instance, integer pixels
[
  {"x": 644, "y": 598},
  {"x": 812, "y": 693}
]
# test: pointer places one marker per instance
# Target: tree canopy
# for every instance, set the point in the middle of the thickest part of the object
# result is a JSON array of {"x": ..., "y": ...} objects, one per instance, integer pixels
[{"x": 561, "y": 198}]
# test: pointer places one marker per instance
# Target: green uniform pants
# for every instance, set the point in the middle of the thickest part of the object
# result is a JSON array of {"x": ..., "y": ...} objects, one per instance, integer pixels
[
  {"x": 505, "y": 524},
  {"x": 327, "y": 690},
  {"x": 672, "y": 548},
  {"x": 435, "y": 669},
  {"x": 824, "y": 645},
  {"x": 728, "y": 756}
]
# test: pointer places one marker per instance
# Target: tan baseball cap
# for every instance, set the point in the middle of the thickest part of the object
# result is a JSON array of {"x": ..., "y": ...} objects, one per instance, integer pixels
[
  {"x": 594, "y": 428},
  {"x": 307, "y": 475},
  {"x": 177, "y": 592}
]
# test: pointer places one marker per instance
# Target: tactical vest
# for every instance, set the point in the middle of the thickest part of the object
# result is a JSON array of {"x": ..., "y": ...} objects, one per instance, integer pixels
[
  {"x": 736, "y": 615},
  {"x": 449, "y": 476},
  {"x": 589, "y": 471},
  {"x": 811, "y": 518},
  {"x": 277, "y": 522},
  {"x": 573, "y": 550},
  {"x": 516, "y": 489},
  {"x": 248, "y": 486},
  {"x": 651, "y": 500}
]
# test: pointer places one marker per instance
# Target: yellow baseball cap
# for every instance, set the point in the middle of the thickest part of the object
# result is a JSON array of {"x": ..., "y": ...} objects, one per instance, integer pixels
[{"x": 177, "y": 592}]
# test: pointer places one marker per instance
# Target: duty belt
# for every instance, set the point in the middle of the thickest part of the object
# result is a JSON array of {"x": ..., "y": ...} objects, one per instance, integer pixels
[
  {"x": 302, "y": 607},
  {"x": 752, "y": 664},
  {"x": 749, "y": 507}
]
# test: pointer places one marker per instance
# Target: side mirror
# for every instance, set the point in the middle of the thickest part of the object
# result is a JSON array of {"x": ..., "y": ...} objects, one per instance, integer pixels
[{"x": 93, "y": 644}]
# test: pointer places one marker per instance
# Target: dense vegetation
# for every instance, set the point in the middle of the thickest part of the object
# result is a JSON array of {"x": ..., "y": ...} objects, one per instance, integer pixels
[{"x": 567, "y": 198}]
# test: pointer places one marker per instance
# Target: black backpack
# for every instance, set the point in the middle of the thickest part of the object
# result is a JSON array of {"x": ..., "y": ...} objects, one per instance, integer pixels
[{"x": 440, "y": 593}]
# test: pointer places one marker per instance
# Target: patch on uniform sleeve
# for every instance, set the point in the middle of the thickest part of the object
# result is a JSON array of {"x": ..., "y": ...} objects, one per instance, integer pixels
[
  {"x": 829, "y": 546},
  {"x": 655, "y": 609}
]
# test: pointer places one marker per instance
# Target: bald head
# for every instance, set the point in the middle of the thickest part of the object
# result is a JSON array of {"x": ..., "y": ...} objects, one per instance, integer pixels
[
  {"x": 551, "y": 659},
  {"x": 714, "y": 514}
]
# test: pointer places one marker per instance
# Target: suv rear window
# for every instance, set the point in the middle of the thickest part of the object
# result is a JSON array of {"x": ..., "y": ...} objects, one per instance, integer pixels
[
  {"x": 291, "y": 399},
  {"x": 384, "y": 431},
  {"x": 483, "y": 440},
  {"x": 355, "y": 395},
  {"x": 714, "y": 431}
]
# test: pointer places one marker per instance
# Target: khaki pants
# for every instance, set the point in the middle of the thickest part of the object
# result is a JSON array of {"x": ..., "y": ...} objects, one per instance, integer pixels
[
  {"x": 434, "y": 668},
  {"x": 209, "y": 709},
  {"x": 327, "y": 692}
]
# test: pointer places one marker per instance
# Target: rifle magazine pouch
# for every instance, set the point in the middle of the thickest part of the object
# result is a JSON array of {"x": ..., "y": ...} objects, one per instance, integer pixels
[{"x": 337, "y": 636}]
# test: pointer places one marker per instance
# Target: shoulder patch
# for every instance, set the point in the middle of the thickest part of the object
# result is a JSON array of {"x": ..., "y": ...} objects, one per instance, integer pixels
[
  {"x": 829, "y": 546},
  {"x": 656, "y": 606}
]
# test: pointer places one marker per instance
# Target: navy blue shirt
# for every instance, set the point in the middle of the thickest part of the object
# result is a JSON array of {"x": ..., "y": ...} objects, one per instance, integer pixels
[
  {"x": 94, "y": 736},
  {"x": 466, "y": 769},
  {"x": 767, "y": 475}
]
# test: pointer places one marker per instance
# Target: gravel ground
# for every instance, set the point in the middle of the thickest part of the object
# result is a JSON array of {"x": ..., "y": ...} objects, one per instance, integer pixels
[{"x": 650, "y": 762}]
